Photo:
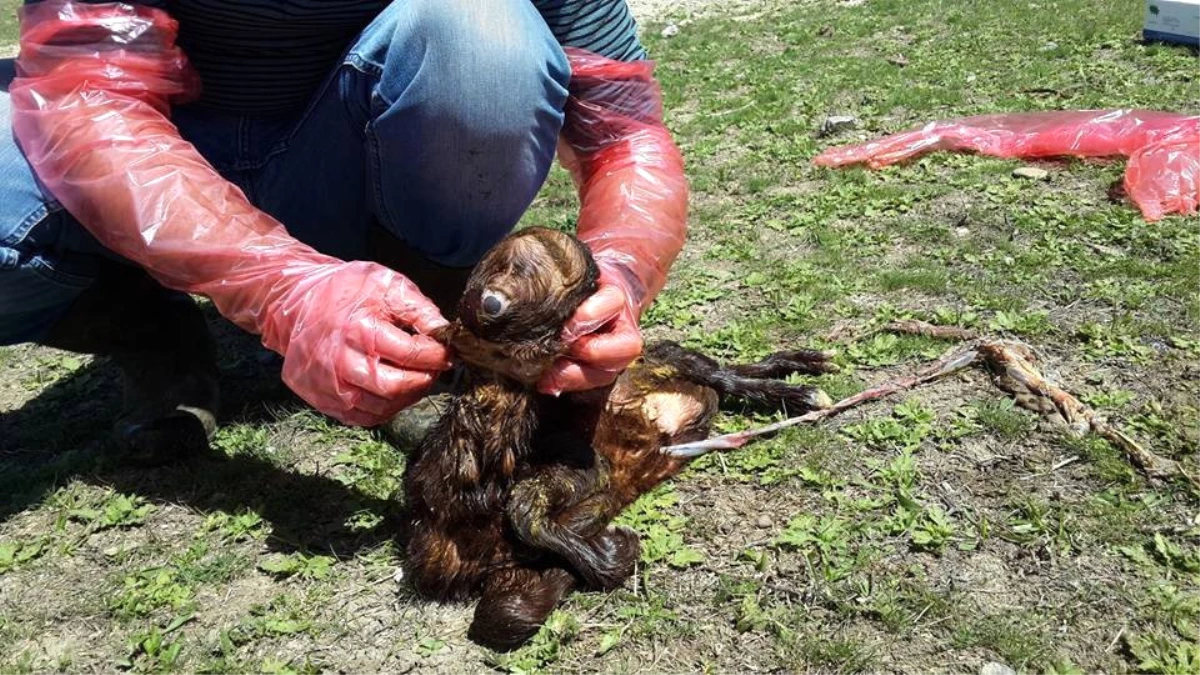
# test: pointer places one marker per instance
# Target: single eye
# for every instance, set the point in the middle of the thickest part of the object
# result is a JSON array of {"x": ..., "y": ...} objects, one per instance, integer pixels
[{"x": 494, "y": 303}]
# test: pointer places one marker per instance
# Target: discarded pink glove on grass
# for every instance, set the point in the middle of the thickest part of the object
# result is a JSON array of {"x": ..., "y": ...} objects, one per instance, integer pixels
[{"x": 1162, "y": 175}]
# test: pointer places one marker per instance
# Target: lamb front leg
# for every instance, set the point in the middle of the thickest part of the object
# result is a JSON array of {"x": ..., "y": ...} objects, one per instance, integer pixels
[
  {"x": 439, "y": 567},
  {"x": 566, "y": 512}
]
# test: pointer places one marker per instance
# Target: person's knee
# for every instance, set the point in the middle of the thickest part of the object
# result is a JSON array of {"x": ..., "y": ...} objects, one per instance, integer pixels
[
  {"x": 472, "y": 100},
  {"x": 493, "y": 68}
]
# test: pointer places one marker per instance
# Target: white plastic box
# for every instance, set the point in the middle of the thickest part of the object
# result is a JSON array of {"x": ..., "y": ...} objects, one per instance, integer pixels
[{"x": 1176, "y": 21}]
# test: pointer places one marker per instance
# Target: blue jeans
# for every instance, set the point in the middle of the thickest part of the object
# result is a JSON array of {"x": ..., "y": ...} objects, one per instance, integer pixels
[{"x": 439, "y": 124}]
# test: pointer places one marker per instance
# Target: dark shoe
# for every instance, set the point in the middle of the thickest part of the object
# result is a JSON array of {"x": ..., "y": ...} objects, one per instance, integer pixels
[
  {"x": 167, "y": 357},
  {"x": 163, "y": 423},
  {"x": 409, "y": 427}
]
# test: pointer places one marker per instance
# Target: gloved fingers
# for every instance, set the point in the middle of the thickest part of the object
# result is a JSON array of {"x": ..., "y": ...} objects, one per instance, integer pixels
[
  {"x": 566, "y": 375},
  {"x": 610, "y": 350},
  {"x": 380, "y": 409},
  {"x": 360, "y": 418},
  {"x": 347, "y": 403},
  {"x": 411, "y": 308},
  {"x": 336, "y": 401},
  {"x": 601, "y": 308},
  {"x": 397, "y": 347},
  {"x": 381, "y": 379},
  {"x": 905, "y": 147},
  {"x": 882, "y": 151}
]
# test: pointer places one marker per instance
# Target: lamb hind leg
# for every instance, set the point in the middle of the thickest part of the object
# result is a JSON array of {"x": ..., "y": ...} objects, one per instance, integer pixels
[
  {"x": 561, "y": 512},
  {"x": 782, "y": 364},
  {"x": 515, "y": 604},
  {"x": 750, "y": 381}
]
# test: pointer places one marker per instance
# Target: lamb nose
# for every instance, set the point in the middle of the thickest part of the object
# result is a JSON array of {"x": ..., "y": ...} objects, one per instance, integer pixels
[{"x": 491, "y": 304}]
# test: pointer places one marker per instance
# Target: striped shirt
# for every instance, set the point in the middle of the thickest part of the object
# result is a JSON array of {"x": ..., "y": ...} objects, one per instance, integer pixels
[{"x": 267, "y": 57}]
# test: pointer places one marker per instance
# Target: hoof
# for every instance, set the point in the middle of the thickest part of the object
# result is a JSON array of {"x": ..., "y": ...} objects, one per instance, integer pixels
[
  {"x": 178, "y": 436},
  {"x": 509, "y": 639},
  {"x": 617, "y": 550}
]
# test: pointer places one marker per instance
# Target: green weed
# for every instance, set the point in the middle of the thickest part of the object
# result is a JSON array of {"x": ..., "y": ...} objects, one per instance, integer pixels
[
  {"x": 1165, "y": 656},
  {"x": 153, "y": 651},
  {"x": 244, "y": 525},
  {"x": 372, "y": 466},
  {"x": 300, "y": 565},
  {"x": 661, "y": 533},
  {"x": 15, "y": 554}
]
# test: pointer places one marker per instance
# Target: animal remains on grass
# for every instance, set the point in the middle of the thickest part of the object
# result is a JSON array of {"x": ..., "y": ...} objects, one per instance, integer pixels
[{"x": 511, "y": 495}]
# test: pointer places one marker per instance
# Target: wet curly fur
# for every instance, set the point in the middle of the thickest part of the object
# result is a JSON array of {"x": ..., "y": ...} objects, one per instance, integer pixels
[{"x": 512, "y": 494}]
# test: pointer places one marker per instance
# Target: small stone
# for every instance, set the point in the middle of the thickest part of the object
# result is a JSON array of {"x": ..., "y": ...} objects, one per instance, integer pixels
[
  {"x": 825, "y": 31},
  {"x": 1032, "y": 173},
  {"x": 836, "y": 123},
  {"x": 1049, "y": 46},
  {"x": 962, "y": 232},
  {"x": 972, "y": 77},
  {"x": 670, "y": 31},
  {"x": 764, "y": 521},
  {"x": 993, "y": 668},
  {"x": 898, "y": 60}
]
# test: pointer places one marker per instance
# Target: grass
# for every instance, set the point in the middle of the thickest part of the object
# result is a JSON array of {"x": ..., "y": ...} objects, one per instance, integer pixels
[{"x": 937, "y": 532}]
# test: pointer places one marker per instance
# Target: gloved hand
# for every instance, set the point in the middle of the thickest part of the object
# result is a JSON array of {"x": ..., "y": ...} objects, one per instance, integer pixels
[
  {"x": 603, "y": 335},
  {"x": 354, "y": 340},
  {"x": 90, "y": 103},
  {"x": 633, "y": 211}
]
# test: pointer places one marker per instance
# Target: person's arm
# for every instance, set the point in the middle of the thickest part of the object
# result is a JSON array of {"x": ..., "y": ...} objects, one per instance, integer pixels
[
  {"x": 633, "y": 195},
  {"x": 91, "y": 101}
]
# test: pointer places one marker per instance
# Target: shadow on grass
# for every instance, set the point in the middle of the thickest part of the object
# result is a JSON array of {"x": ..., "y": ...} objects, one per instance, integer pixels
[{"x": 61, "y": 435}]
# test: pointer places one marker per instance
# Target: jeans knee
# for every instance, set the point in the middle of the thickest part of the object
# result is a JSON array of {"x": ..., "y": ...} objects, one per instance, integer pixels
[
  {"x": 469, "y": 107},
  {"x": 493, "y": 68}
]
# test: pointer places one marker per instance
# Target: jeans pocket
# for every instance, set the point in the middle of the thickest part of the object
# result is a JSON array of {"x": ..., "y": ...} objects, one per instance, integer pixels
[
  {"x": 9, "y": 259},
  {"x": 14, "y": 239},
  {"x": 60, "y": 250},
  {"x": 339, "y": 88}
]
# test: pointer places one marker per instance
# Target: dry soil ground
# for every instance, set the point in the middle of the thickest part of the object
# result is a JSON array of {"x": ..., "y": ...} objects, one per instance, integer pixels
[{"x": 936, "y": 532}]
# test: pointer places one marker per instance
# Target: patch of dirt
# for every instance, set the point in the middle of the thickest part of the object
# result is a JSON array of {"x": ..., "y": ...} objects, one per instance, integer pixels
[
  {"x": 686, "y": 10},
  {"x": 1063, "y": 590}
]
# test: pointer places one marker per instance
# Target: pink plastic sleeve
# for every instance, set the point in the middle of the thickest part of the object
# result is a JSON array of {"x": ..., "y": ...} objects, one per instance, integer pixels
[
  {"x": 1162, "y": 175},
  {"x": 628, "y": 171},
  {"x": 90, "y": 110}
]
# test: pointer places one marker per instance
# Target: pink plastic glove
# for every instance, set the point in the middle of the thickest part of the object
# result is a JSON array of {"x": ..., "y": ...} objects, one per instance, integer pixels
[
  {"x": 90, "y": 109},
  {"x": 633, "y": 211},
  {"x": 1162, "y": 175}
]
